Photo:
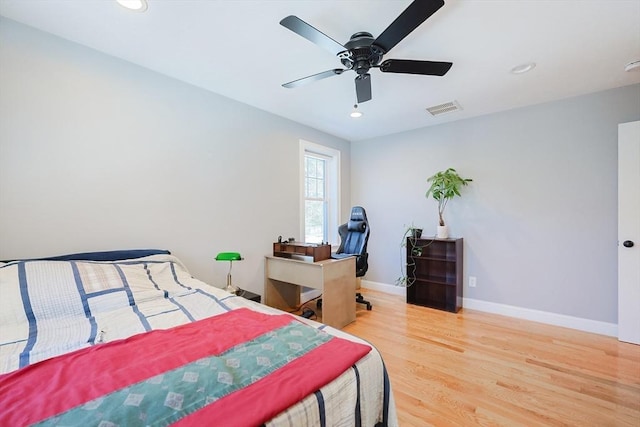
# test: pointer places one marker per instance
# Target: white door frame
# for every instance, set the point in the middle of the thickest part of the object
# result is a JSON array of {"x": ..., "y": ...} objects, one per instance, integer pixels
[{"x": 629, "y": 231}]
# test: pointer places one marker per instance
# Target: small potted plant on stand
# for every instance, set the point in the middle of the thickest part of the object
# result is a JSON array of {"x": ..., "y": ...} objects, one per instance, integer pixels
[{"x": 445, "y": 185}]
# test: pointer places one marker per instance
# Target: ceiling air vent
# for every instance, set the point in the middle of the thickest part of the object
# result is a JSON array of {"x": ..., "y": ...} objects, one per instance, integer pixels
[{"x": 447, "y": 107}]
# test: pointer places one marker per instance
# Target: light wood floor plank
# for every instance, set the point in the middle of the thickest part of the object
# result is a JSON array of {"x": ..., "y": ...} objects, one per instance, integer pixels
[{"x": 475, "y": 368}]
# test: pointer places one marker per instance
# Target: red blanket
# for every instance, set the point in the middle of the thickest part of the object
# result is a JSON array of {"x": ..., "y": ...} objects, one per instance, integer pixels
[{"x": 60, "y": 384}]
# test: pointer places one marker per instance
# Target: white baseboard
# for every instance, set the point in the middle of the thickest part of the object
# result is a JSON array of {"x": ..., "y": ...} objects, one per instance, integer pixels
[
  {"x": 383, "y": 287},
  {"x": 587, "y": 325}
]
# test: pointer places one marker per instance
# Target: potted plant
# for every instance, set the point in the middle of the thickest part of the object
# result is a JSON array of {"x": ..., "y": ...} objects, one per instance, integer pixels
[{"x": 445, "y": 185}]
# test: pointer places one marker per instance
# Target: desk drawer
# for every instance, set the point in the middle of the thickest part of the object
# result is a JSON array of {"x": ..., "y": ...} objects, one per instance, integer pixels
[{"x": 298, "y": 273}]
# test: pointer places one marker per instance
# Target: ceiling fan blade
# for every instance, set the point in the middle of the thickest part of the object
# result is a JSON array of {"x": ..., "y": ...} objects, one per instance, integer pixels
[
  {"x": 313, "y": 78},
  {"x": 409, "y": 20},
  {"x": 408, "y": 66},
  {"x": 305, "y": 30},
  {"x": 363, "y": 88}
]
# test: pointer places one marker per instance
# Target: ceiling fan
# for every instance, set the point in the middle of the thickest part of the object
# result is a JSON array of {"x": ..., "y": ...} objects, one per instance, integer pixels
[{"x": 362, "y": 52}]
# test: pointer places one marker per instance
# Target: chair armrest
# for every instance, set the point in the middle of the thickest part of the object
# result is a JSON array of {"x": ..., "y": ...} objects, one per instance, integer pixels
[{"x": 342, "y": 256}]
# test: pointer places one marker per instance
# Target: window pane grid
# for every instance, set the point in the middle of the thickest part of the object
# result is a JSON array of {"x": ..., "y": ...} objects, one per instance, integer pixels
[{"x": 315, "y": 222}]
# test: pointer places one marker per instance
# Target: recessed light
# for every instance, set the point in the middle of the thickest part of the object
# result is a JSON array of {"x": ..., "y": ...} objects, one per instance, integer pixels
[
  {"x": 136, "y": 5},
  {"x": 632, "y": 66},
  {"x": 523, "y": 68}
]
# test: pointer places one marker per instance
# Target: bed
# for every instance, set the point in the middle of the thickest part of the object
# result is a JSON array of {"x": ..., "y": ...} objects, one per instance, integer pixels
[{"x": 131, "y": 338}]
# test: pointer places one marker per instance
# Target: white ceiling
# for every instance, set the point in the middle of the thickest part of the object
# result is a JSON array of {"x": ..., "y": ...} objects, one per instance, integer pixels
[{"x": 237, "y": 48}]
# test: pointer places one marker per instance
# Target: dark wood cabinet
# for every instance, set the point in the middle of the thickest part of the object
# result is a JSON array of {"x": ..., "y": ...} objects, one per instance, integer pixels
[{"x": 434, "y": 273}]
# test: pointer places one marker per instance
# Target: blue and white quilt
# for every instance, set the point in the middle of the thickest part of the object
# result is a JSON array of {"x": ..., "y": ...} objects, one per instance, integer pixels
[{"x": 49, "y": 308}]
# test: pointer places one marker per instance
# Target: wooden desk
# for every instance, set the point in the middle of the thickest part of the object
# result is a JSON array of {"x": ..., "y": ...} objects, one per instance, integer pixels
[{"x": 335, "y": 278}]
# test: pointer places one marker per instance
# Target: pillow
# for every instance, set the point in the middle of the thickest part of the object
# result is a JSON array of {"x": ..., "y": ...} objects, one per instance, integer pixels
[
  {"x": 103, "y": 256},
  {"x": 358, "y": 226}
]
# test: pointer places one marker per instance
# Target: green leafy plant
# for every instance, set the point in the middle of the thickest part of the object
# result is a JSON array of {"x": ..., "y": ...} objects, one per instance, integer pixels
[{"x": 445, "y": 185}]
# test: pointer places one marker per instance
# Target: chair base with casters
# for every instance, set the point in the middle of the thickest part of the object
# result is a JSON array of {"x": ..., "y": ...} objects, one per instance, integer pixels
[{"x": 360, "y": 299}]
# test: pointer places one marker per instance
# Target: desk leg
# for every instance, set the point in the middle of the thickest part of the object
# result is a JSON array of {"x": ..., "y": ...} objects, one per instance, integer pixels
[
  {"x": 281, "y": 295},
  {"x": 339, "y": 299}
]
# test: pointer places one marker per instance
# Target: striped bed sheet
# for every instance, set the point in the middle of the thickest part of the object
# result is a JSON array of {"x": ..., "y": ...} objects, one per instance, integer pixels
[{"x": 50, "y": 308}]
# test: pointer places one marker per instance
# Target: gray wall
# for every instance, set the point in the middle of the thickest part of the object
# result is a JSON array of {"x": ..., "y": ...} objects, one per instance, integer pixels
[
  {"x": 539, "y": 220},
  {"x": 100, "y": 154}
]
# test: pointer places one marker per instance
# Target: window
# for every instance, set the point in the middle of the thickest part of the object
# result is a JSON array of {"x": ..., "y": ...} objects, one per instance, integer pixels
[
  {"x": 315, "y": 202},
  {"x": 319, "y": 192}
]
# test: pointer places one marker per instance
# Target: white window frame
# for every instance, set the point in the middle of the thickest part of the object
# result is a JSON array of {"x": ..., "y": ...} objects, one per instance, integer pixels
[{"x": 332, "y": 177}]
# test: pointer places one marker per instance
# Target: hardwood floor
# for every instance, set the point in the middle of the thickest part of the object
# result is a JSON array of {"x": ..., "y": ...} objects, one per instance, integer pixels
[{"x": 475, "y": 368}]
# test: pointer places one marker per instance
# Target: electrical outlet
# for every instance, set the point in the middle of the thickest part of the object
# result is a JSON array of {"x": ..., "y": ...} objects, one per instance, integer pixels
[{"x": 472, "y": 281}]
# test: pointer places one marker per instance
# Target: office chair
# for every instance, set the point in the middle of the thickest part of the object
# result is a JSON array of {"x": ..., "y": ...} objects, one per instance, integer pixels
[{"x": 354, "y": 236}]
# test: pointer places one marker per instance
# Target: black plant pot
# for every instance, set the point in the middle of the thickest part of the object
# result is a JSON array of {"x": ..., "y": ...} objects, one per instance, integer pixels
[{"x": 416, "y": 233}]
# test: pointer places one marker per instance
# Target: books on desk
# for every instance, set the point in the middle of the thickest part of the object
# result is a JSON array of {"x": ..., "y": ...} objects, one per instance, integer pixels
[{"x": 310, "y": 252}]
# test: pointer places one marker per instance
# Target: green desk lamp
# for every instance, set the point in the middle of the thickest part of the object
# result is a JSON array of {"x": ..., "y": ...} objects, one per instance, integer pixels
[{"x": 229, "y": 256}]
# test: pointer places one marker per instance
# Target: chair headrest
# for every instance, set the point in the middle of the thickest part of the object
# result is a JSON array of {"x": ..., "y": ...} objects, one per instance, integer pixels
[
  {"x": 358, "y": 226},
  {"x": 358, "y": 214}
]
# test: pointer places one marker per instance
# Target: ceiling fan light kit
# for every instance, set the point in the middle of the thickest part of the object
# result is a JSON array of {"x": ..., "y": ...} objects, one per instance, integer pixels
[
  {"x": 363, "y": 52},
  {"x": 135, "y": 5},
  {"x": 356, "y": 113}
]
